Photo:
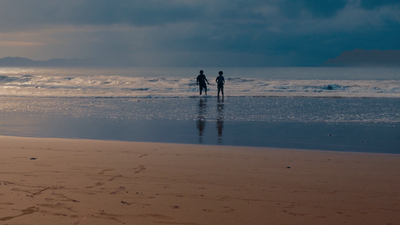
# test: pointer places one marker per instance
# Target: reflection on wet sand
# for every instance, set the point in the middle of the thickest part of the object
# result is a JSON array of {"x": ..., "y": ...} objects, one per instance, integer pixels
[
  {"x": 220, "y": 118},
  {"x": 201, "y": 118}
]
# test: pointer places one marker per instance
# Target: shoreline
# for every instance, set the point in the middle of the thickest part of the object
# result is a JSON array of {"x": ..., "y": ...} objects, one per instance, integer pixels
[
  {"x": 252, "y": 148},
  {"x": 76, "y": 181}
]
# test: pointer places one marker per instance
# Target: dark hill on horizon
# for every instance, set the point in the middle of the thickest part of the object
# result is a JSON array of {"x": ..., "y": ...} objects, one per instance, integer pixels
[
  {"x": 356, "y": 58},
  {"x": 25, "y": 62},
  {"x": 360, "y": 57}
]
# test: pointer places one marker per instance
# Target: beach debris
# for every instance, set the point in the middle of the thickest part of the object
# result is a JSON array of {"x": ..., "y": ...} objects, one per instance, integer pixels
[
  {"x": 126, "y": 203},
  {"x": 288, "y": 167},
  {"x": 32, "y": 158}
]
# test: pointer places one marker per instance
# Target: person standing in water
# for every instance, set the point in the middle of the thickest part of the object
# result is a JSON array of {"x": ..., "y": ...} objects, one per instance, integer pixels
[
  {"x": 220, "y": 83},
  {"x": 201, "y": 81}
]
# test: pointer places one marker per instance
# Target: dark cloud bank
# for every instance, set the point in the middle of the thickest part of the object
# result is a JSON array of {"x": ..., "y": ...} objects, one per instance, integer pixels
[{"x": 359, "y": 57}]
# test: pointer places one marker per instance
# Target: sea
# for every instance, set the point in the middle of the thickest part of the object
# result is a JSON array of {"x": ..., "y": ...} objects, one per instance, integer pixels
[{"x": 354, "y": 109}]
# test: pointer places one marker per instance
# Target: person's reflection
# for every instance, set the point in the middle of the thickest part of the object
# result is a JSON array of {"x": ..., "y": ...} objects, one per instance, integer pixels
[
  {"x": 220, "y": 118},
  {"x": 201, "y": 118}
]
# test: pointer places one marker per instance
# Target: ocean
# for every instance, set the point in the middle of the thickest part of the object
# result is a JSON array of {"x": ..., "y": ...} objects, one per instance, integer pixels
[{"x": 322, "y": 108}]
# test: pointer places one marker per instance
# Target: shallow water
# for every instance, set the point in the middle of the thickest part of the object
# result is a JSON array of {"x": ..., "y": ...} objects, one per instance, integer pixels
[
  {"x": 270, "y": 109},
  {"x": 340, "y": 109},
  {"x": 338, "y": 124}
]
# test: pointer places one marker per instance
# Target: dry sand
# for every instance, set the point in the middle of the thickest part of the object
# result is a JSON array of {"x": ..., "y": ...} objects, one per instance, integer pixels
[{"x": 71, "y": 182}]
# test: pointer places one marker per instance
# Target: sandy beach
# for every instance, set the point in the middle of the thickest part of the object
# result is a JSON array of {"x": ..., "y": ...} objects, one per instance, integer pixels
[{"x": 68, "y": 181}]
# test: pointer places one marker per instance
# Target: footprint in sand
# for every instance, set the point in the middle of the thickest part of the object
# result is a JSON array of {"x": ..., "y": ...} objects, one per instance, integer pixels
[
  {"x": 141, "y": 169},
  {"x": 160, "y": 216},
  {"x": 80, "y": 220},
  {"x": 25, "y": 212},
  {"x": 96, "y": 185},
  {"x": 106, "y": 170},
  {"x": 113, "y": 178},
  {"x": 47, "y": 188},
  {"x": 118, "y": 190}
]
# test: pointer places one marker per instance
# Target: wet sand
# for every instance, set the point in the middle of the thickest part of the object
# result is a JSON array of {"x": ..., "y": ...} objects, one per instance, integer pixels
[{"x": 63, "y": 181}]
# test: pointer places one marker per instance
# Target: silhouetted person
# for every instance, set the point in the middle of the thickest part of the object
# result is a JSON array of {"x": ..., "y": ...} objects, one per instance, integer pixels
[
  {"x": 220, "y": 83},
  {"x": 201, "y": 81}
]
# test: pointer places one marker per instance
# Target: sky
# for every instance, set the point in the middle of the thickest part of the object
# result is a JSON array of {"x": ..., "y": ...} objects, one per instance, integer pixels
[{"x": 228, "y": 33}]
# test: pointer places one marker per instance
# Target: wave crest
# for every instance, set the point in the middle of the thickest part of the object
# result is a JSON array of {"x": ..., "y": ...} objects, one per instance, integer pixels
[{"x": 119, "y": 86}]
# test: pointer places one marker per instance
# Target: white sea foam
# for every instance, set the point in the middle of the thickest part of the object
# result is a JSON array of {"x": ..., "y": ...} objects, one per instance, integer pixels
[{"x": 179, "y": 87}]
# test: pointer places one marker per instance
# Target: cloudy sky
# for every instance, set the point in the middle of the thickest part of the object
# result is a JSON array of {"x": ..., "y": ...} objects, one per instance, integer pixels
[{"x": 197, "y": 32}]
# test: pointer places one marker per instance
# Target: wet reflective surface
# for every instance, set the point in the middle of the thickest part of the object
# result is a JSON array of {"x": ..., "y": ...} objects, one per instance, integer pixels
[{"x": 365, "y": 125}]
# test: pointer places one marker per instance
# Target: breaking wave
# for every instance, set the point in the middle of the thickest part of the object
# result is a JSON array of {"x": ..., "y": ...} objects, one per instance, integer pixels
[{"x": 178, "y": 87}]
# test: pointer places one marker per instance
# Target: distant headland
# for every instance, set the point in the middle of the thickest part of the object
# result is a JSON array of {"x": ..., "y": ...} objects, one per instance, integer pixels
[
  {"x": 368, "y": 58},
  {"x": 25, "y": 62},
  {"x": 354, "y": 58}
]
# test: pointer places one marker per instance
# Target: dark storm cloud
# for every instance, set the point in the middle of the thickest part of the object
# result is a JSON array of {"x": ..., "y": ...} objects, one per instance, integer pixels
[
  {"x": 156, "y": 12},
  {"x": 317, "y": 8},
  {"x": 147, "y": 12},
  {"x": 267, "y": 32},
  {"x": 22, "y": 14},
  {"x": 373, "y": 4},
  {"x": 95, "y": 12}
]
